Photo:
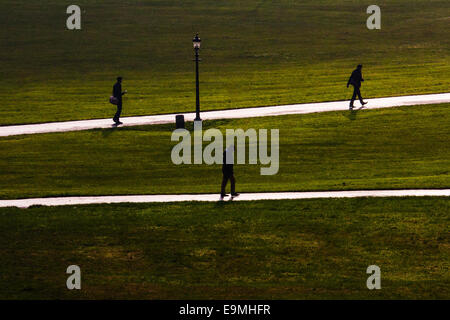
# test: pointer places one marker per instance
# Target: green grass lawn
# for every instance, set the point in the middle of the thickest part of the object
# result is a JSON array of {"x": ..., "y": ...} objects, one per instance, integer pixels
[
  {"x": 254, "y": 53},
  {"x": 297, "y": 249},
  {"x": 394, "y": 148}
]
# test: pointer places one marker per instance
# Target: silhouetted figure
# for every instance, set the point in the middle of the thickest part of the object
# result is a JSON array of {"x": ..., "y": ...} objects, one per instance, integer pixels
[
  {"x": 227, "y": 171},
  {"x": 117, "y": 93},
  {"x": 355, "y": 80}
]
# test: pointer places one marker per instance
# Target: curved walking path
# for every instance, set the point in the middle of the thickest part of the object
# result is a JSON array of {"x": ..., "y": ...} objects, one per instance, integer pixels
[
  {"x": 62, "y": 201},
  {"x": 223, "y": 114}
]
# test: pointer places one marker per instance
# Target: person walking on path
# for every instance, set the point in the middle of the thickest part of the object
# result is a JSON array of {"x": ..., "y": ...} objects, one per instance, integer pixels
[
  {"x": 228, "y": 174},
  {"x": 355, "y": 80},
  {"x": 117, "y": 93}
]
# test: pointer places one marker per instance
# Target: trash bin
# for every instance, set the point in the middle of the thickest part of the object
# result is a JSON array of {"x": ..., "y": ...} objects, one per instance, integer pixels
[{"x": 179, "y": 121}]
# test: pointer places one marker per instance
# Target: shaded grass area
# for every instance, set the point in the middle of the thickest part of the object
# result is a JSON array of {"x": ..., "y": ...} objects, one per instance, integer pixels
[
  {"x": 296, "y": 249},
  {"x": 254, "y": 53},
  {"x": 403, "y": 147}
]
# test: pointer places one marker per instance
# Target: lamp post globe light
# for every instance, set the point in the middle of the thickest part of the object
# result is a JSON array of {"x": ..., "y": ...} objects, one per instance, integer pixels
[{"x": 196, "y": 42}]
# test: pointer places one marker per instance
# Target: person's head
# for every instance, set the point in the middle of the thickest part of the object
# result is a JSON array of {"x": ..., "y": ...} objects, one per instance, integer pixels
[
  {"x": 119, "y": 79},
  {"x": 359, "y": 67}
]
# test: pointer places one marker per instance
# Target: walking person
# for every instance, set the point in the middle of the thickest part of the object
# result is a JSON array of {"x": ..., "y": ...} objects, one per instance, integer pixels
[
  {"x": 228, "y": 174},
  {"x": 355, "y": 80},
  {"x": 117, "y": 93}
]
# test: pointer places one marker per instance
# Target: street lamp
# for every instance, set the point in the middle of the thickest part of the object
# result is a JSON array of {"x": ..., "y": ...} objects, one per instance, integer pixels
[{"x": 196, "y": 42}]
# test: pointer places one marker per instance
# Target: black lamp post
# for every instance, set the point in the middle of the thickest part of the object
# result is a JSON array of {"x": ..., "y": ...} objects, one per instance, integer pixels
[{"x": 196, "y": 42}]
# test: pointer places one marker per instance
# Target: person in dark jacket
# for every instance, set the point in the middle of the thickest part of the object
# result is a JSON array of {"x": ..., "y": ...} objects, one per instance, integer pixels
[
  {"x": 355, "y": 80},
  {"x": 117, "y": 93},
  {"x": 227, "y": 171}
]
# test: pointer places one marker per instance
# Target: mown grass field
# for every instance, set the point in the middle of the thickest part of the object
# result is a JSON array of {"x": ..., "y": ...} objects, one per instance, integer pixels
[
  {"x": 297, "y": 249},
  {"x": 254, "y": 53},
  {"x": 403, "y": 147}
]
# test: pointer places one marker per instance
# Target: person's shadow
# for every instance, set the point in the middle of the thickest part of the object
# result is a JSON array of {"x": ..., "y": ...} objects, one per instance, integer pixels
[
  {"x": 221, "y": 204},
  {"x": 353, "y": 113},
  {"x": 107, "y": 132}
]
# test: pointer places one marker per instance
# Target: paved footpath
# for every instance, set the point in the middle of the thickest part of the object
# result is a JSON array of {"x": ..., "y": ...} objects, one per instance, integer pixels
[
  {"x": 223, "y": 114},
  {"x": 62, "y": 201}
]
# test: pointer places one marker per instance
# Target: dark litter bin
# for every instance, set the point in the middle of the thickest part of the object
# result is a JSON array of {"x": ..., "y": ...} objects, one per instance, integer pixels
[{"x": 179, "y": 121}]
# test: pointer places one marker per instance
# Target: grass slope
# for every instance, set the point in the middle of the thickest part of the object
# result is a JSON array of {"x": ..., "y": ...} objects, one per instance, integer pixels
[
  {"x": 404, "y": 147},
  {"x": 306, "y": 249},
  {"x": 254, "y": 53}
]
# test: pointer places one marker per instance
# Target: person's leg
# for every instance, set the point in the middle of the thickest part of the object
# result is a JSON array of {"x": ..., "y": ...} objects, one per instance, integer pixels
[
  {"x": 115, "y": 115},
  {"x": 359, "y": 96},
  {"x": 224, "y": 184},
  {"x": 232, "y": 182},
  {"x": 353, "y": 97},
  {"x": 119, "y": 111}
]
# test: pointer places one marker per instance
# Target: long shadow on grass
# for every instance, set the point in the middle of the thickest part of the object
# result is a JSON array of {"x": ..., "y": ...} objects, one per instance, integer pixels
[
  {"x": 353, "y": 113},
  {"x": 107, "y": 132}
]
